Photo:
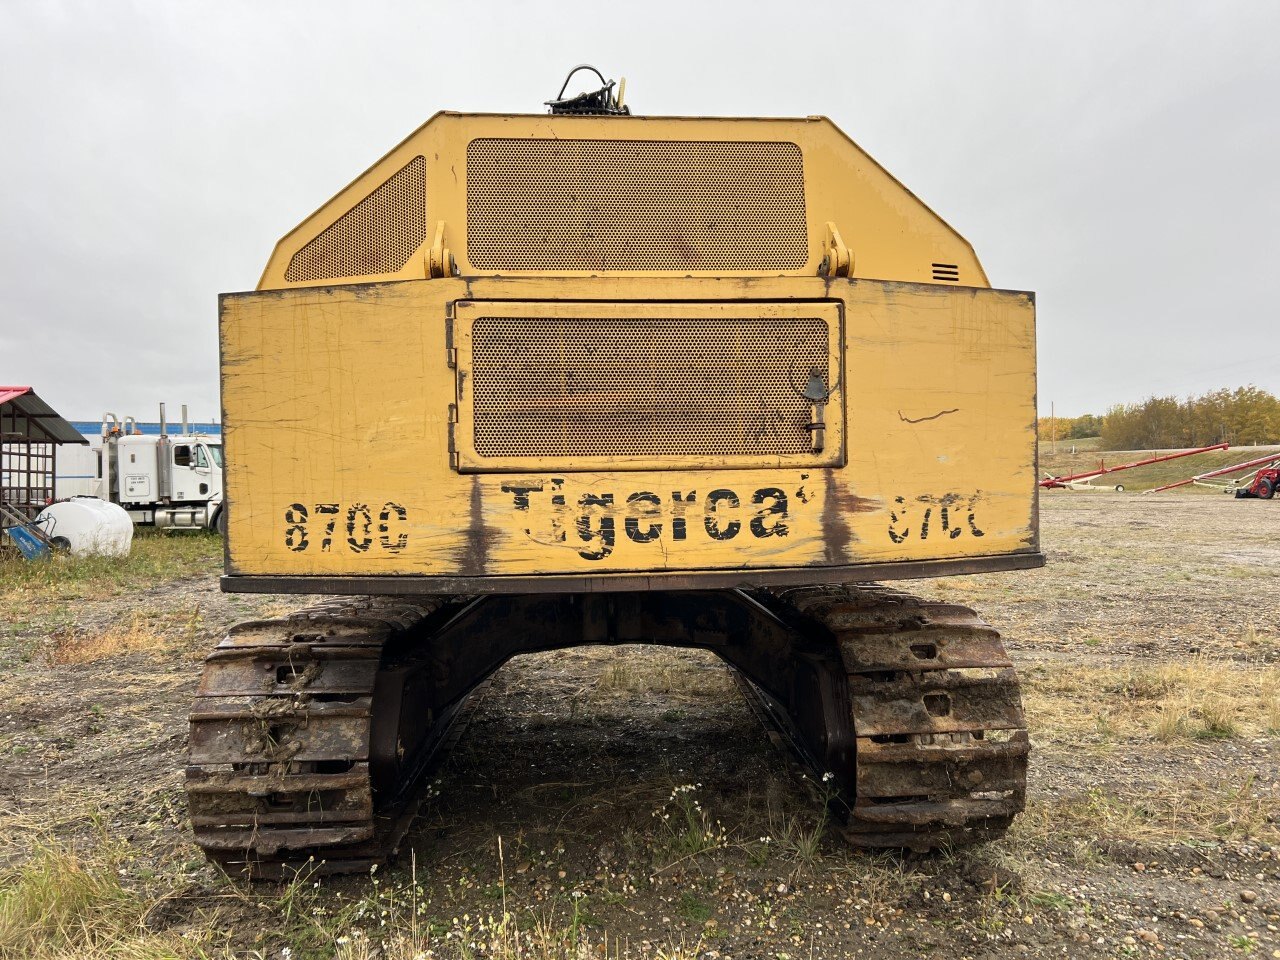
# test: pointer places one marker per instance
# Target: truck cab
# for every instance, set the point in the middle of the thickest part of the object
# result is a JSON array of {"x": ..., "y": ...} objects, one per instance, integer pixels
[
  {"x": 171, "y": 482},
  {"x": 195, "y": 468}
]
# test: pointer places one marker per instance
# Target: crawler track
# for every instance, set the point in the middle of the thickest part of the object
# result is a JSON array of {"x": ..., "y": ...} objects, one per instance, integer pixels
[
  {"x": 308, "y": 748},
  {"x": 311, "y": 734},
  {"x": 941, "y": 743}
]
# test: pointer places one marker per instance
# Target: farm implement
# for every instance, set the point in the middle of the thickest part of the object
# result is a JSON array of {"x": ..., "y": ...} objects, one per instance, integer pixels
[
  {"x": 1082, "y": 481},
  {"x": 1261, "y": 481}
]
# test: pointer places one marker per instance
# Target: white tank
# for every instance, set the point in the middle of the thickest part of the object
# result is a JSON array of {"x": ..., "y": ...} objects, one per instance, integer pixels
[{"x": 88, "y": 526}]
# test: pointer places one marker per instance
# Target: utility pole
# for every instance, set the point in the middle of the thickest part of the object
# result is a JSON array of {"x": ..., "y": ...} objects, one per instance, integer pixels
[{"x": 1053, "y": 430}]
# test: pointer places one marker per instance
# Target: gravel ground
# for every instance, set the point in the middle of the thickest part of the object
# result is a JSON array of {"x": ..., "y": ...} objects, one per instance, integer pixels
[{"x": 624, "y": 802}]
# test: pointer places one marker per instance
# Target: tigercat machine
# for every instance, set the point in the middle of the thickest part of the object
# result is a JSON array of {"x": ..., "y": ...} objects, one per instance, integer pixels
[{"x": 534, "y": 381}]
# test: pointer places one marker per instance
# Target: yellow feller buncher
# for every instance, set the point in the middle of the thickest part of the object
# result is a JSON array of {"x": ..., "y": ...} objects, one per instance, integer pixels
[{"x": 535, "y": 381}]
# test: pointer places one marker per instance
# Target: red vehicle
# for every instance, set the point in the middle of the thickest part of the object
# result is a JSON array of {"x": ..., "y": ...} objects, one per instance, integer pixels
[{"x": 1265, "y": 482}]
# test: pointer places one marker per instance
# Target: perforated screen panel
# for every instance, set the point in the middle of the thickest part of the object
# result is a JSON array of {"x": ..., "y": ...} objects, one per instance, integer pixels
[
  {"x": 644, "y": 387},
  {"x": 635, "y": 205},
  {"x": 376, "y": 236}
]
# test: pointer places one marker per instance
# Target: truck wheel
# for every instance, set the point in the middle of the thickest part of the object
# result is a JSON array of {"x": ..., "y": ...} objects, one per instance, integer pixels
[
  {"x": 1266, "y": 489},
  {"x": 1119, "y": 488},
  {"x": 220, "y": 522}
]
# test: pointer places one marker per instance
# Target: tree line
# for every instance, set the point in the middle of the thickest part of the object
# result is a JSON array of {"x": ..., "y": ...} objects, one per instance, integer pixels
[{"x": 1241, "y": 417}]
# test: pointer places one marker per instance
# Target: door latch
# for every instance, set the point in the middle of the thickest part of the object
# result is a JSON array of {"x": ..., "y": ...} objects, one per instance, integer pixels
[{"x": 818, "y": 395}]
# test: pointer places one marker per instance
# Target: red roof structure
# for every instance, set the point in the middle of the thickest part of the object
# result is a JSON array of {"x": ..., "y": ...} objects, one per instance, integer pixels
[{"x": 22, "y": 413}]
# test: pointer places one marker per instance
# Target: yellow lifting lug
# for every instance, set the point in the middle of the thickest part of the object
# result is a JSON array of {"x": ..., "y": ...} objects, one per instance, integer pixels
[
  {"x": 837, "y": 261},
  {"x": 440, "y": 262}
]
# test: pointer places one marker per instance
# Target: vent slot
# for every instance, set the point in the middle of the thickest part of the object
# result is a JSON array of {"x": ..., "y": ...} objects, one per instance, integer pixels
[
  {"x": 635, "y": 205},
  {"x": 375, "y": 237},
  {"x": 946, "y": 272},
  {"x": 643, "y": 387}
]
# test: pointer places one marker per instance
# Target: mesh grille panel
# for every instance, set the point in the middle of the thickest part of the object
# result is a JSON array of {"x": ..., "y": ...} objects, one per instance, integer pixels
[
  {"x": 376, "y": 236},
  {"x": 635, "y": 205},
  {"x": 643, "y": 387}
]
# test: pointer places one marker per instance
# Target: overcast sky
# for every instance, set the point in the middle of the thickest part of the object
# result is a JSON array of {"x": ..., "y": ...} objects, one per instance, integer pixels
[{"x": 1121, "y": 159}]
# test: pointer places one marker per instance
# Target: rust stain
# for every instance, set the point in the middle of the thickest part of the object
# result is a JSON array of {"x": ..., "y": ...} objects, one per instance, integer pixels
[
  {"x": 836, "y": 533},
  {"x": 475, "y": 555}
]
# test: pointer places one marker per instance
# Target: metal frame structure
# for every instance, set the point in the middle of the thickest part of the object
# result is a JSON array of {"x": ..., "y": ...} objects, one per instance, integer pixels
[{"x": 30, "y": 433}]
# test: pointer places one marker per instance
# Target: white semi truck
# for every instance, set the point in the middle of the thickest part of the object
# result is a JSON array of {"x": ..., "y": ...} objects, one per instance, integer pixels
[{"x": 172, "y": 482}]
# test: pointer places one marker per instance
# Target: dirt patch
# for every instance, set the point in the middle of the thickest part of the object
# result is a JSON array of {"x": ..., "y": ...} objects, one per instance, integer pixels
[{"x": 623, "y": 802}]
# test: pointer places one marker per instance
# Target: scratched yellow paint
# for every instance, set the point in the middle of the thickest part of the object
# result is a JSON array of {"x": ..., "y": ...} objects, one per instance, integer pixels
[
  {"x": 337, "y": 406},
  {"x": 348, "y": 417},
  {"x": 892, "y": 234}
]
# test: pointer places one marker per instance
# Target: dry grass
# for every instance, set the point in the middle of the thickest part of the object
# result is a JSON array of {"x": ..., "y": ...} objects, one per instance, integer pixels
[
  {"x": 392, "y": 921},
  {"x": 1197, "y": 699},
  {"x": 139, "y": 633},
  {"x": 500, "y": 938},
  {"x": 638, "y": 670},
  {"x": 26, "y": 586},
  {"x": 878, "y": 883},
  {"x": 1162, "y": 708},
  {"x": 1157, "y": 814},
  {"x": 61, "y": 903}
]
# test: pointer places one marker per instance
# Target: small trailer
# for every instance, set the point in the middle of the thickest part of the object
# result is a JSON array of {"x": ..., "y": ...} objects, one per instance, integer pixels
[{"x": 1080, "y": 481}]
